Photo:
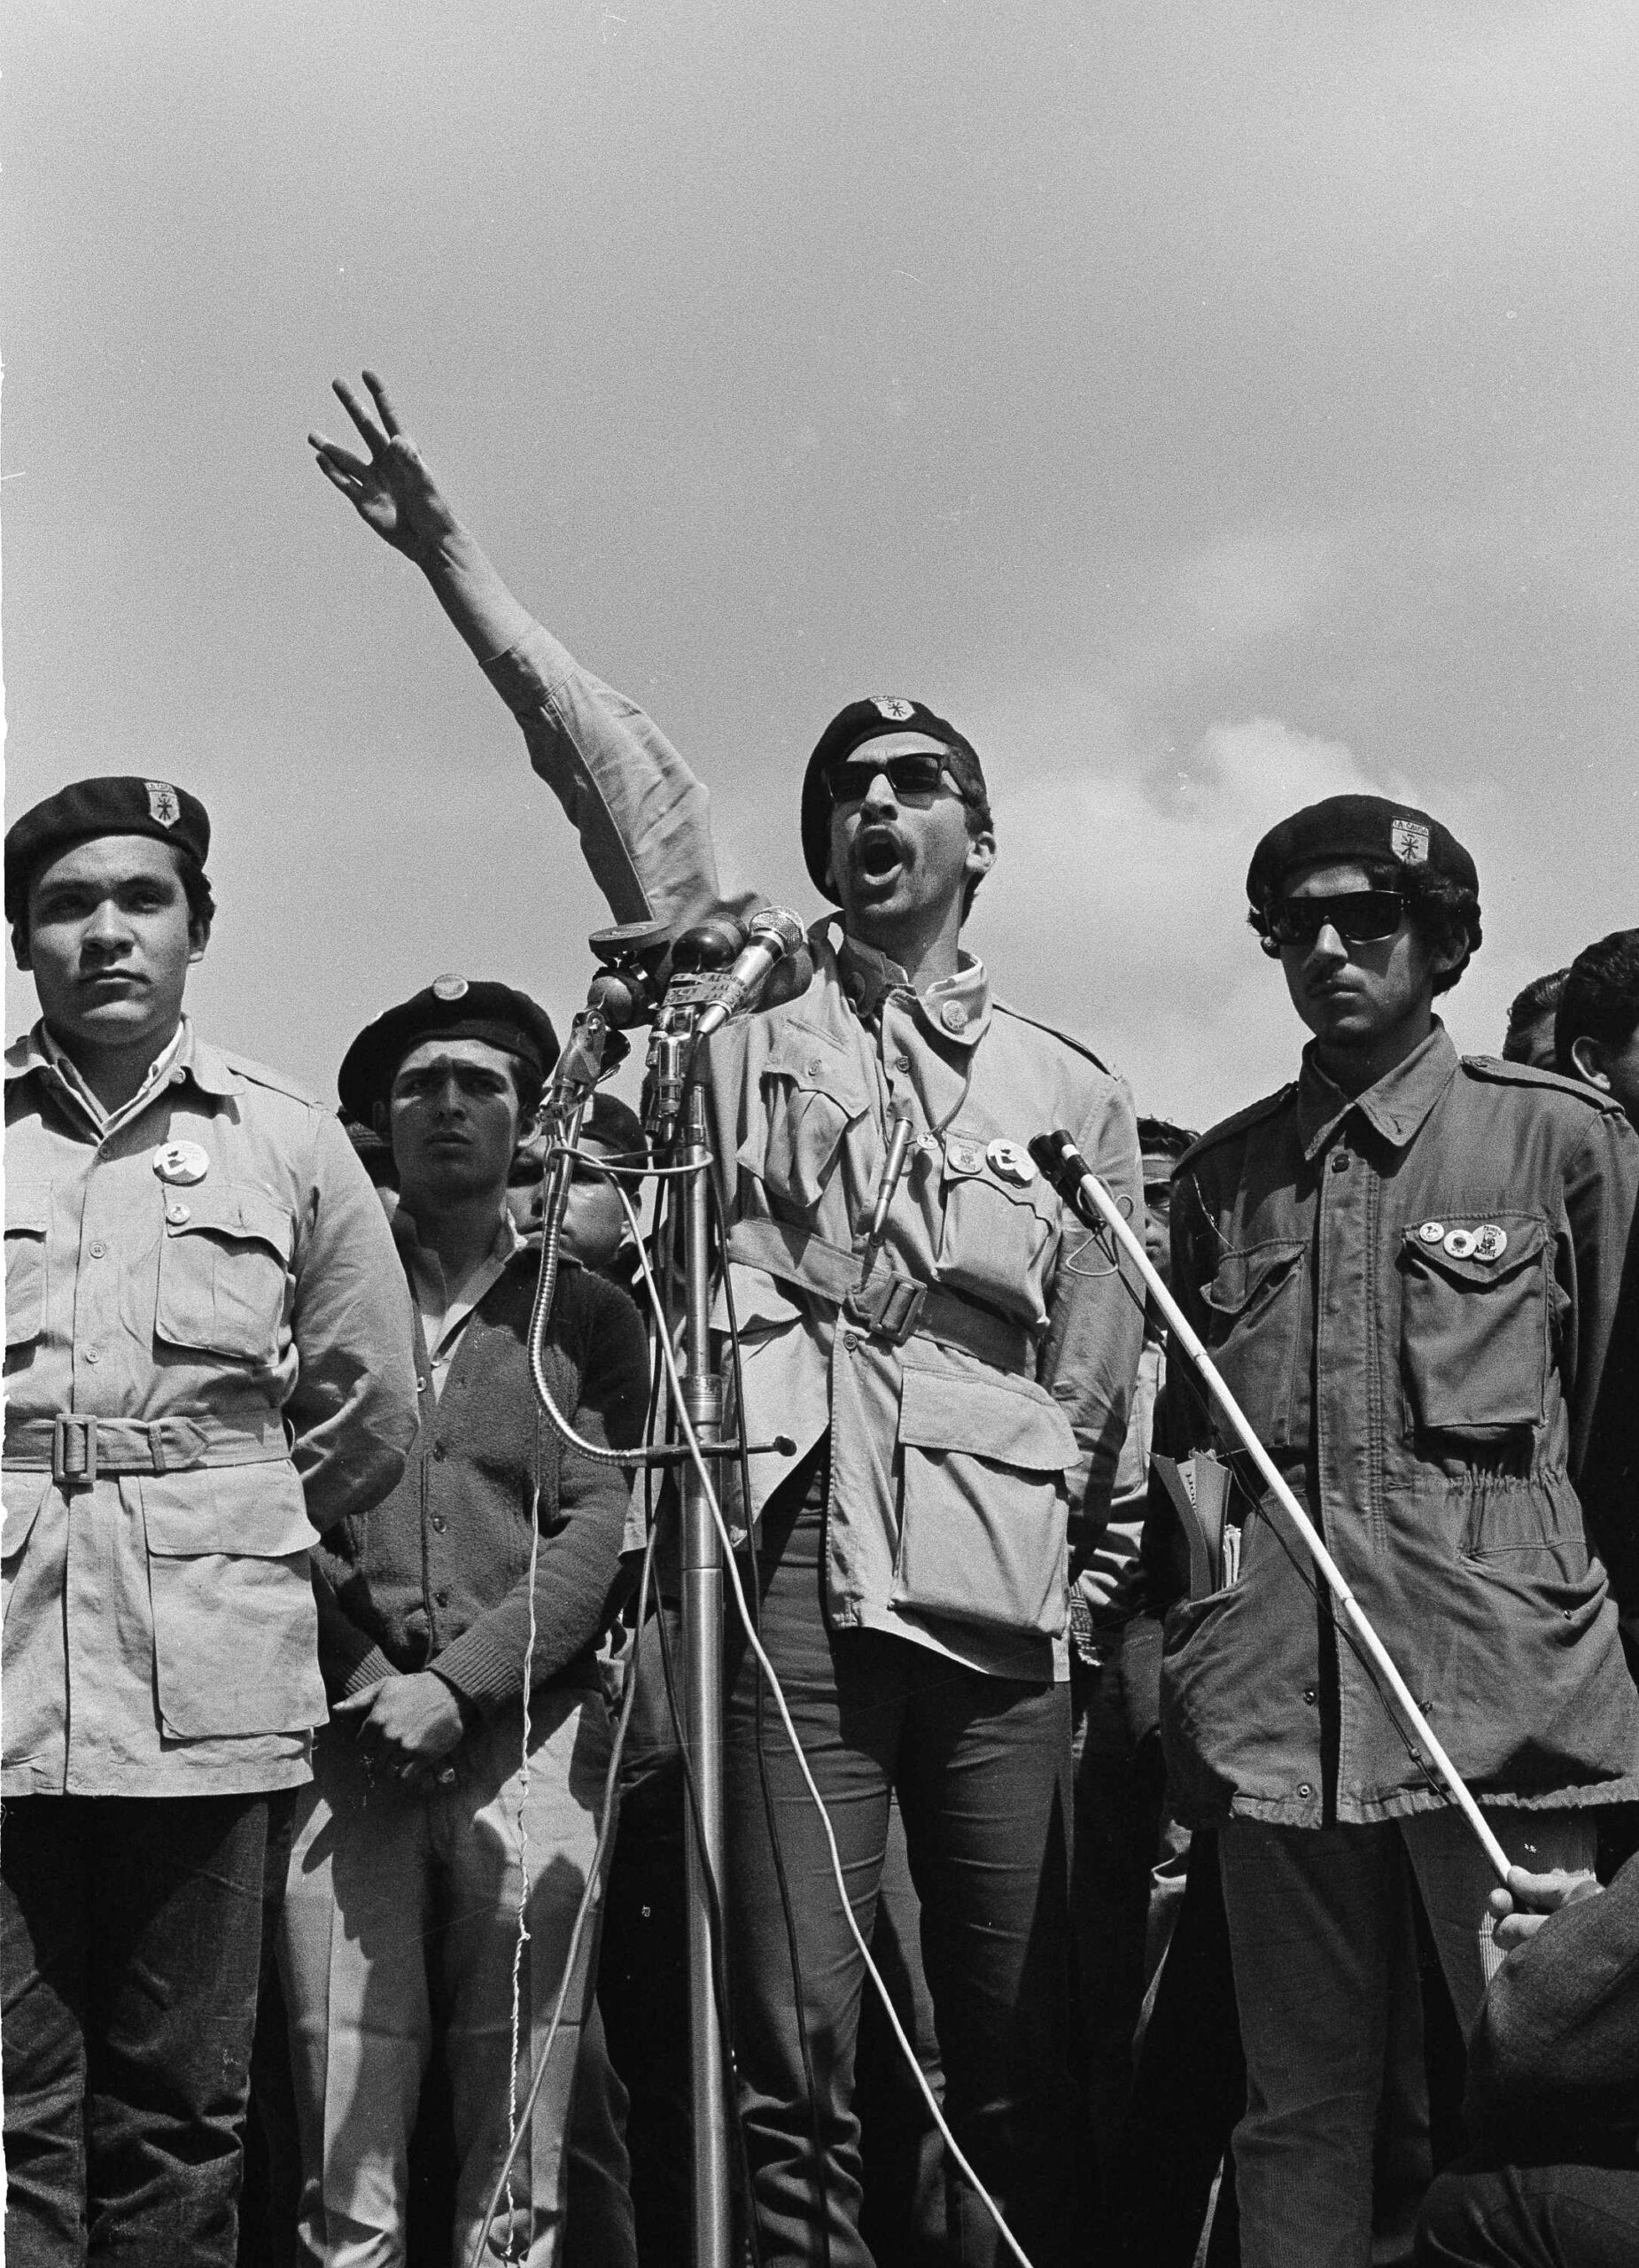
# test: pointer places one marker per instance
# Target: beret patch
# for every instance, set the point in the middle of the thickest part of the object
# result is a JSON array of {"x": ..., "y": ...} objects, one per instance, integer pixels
[{"x": 115, "y": 803}]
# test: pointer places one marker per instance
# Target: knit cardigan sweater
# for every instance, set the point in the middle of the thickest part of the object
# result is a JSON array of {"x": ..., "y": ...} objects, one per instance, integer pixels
[{"x": 437, "y": 1574}]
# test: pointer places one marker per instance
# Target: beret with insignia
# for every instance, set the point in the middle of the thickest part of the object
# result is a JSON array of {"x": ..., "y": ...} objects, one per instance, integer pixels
[
  {"x": 851, "y": 728},
  {"x": 1357, "y": 826},
  {"x": 451, "y": 1007},
  {"x": 86, "y": 808}
]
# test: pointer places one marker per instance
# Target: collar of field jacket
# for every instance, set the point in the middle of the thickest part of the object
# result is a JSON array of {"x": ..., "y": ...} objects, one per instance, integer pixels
[
  {"x": 957, "y": 1007},
  {"x": 1395, "y": 1108}
]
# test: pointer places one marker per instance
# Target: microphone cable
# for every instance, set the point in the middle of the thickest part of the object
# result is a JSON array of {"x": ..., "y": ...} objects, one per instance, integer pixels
[{"x": 958, "y": 2156}]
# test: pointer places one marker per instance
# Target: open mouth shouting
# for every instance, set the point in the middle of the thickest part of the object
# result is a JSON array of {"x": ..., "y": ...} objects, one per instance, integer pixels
[{"x": 878, "y": 856}]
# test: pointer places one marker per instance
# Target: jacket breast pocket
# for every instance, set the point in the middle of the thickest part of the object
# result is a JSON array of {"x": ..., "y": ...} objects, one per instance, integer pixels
[
  {"x": 808, "y": 1093},
  {"x": 1474, "y": 1333},
  {"x": 983, "y": 1500},
  {"x": 994, "y": 1241},
  {"x": 224, "y": 1271},
  {"x": 1254, "y": 1309},
  {"x": 235, "y": 1629},
  {"x": 27, "y": 1218}
]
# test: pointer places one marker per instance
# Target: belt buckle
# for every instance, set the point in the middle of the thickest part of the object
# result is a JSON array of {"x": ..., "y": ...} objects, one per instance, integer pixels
[
  {"x": 890, "y": 1311},
  {"x": 73, "y": 1451}
]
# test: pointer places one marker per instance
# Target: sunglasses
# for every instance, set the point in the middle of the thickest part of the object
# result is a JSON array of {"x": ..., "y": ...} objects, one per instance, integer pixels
[
  {"x": 848, "y": 777},
  {"x": 1362, "y": 917}
]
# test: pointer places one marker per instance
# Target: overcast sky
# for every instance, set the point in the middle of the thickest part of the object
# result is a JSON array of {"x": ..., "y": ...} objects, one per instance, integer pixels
[{"x": 1208, "y": 407}]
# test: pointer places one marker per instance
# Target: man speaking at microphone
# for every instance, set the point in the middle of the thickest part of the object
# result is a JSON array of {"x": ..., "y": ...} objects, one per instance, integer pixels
[{"x": 955, "y": 1389}]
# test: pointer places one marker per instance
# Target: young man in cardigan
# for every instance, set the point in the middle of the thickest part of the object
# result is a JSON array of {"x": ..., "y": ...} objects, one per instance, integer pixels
[{"x": 438, "y": 1822}]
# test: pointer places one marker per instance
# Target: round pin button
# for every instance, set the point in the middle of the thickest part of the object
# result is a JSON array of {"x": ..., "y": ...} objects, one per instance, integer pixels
[
  {"x": 448, "y": 987},
  {"x": 953, "y": 1017},
  {"x": 177, "y": 1214},
  {"x": 1433, "y": 1233},
  {"x": 1012, "y": 1161},
  {"x": 1460, "y": 1244},
  {"x": 1490, "y": 1241},
  {"x": 184, "y": 1162}
]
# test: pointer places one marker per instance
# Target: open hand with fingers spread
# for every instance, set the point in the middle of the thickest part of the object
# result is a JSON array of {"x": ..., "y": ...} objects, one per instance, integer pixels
[{"x": 392, "y": 490}]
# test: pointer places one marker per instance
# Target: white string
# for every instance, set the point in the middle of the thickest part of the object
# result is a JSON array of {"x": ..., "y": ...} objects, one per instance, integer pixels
[
  {"x": 524, "y": 1930},
  {"x": 767, "y": 1667}
]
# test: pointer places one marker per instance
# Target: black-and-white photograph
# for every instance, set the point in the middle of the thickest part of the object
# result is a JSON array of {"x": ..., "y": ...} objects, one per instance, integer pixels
[{"x": 821, "y": 1435}]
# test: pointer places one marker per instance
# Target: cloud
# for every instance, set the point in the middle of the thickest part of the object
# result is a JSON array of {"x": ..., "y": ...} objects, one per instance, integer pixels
[{"x": 1118, "y": 905}]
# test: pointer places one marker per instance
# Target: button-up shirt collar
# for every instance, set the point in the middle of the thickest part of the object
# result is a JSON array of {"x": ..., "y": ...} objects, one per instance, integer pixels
[
  {"x": 1395, "y": 1107},
  {"x": 185, "y": 1054},
  {"x": 444, "y": 1307},
  {"x": 958, "y": 1007}
]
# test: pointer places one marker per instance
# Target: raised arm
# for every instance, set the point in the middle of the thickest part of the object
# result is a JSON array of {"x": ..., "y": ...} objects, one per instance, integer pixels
[{"x": 643, "y": 818}]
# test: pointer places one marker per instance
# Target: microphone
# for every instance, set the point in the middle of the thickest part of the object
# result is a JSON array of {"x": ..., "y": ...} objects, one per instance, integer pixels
[
  {"x": 773, "y": 935},
  {"x": 1063, "y": 1165}
]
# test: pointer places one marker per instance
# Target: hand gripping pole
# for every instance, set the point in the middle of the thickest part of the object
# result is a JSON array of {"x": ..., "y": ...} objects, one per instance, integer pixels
[{"x": 1074, "y": 1178}]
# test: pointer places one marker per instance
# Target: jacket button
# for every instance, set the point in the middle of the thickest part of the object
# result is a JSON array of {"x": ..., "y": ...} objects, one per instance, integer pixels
[
  {"x": 98, "y": 1249},
  {"x": 93, "y": 1354},
  {"x": 440, "y": 1522},
  {"x": 1304, "y": 1789},
  {"x": 1309, "y": 1695},
  {"x": 851, "y": 1341},
  {"x": 902, "y": 1062},
  {"x": 442, "y": 1597},
  {"x": 1339, "y": 1161},
  {"x": 438, "y": 1449}
]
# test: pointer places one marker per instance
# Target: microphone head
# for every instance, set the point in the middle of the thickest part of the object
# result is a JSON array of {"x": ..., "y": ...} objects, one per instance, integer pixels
[
  {"x": 773, "y": 925},
  {"x": 1058, "y": 1157}
]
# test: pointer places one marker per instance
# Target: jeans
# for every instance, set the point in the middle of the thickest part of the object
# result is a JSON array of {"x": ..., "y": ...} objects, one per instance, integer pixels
[
  {"x": 1317, "y": 1925},
  {"x": 1576, "y": 2215},
  {"x": 131, "y": 1940},
  {"x": 401, "y": 1908},
  {"x": 981, "y": 1768}
]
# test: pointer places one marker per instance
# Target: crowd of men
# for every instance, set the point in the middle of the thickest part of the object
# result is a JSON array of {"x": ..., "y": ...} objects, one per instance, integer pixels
[{"x": 315, "y": 1620}]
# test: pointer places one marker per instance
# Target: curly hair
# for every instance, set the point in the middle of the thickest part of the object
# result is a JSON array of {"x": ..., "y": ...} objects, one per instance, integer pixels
[
  {"x": 1442, "y": 912},
  {"x": 1601, "y": 997}
]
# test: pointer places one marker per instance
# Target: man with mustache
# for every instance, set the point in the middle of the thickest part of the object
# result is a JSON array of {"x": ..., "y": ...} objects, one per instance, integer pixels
[
  {"x": 953, "y": 1394},
  {"x": 207, "y": 1362},
  {"x": 1408, "y": 1266}
]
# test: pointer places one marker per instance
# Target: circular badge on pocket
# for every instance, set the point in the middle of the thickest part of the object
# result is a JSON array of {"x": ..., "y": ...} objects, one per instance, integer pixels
[
  {"x": 1490, "y": 1241},
  {"x": 1460, "y": 1243},
  {"x": 181, "y": 1161}
]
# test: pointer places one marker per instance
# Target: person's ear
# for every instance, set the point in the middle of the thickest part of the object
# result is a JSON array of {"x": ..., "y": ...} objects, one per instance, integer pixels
[
  {"x": 379, "y": 1119},
  {"x": 198, "y": 935},
  {"x": 1270, "y": 945},
  {"x": 980, "y": 855},
  {"x": 1588, "y": 1054},
  {"x": 19, "y": 944}
]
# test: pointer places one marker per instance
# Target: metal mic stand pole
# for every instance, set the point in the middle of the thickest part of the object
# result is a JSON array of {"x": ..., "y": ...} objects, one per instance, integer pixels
[{"x": 702, "y": 1712}]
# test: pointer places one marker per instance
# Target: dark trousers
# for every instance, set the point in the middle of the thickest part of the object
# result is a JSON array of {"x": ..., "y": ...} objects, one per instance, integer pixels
[
  {"x": 981, "y": 1767},
  {"x": 1121, "y": 1785},
  {"x": 131, "y": 1942},
  {"x": 1574, "y": 2215}
]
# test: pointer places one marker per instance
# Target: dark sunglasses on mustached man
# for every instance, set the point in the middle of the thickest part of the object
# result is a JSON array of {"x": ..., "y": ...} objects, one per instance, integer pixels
[
  {"x": 920, "y": 774},
  {"x": 1361, "y": 917}
]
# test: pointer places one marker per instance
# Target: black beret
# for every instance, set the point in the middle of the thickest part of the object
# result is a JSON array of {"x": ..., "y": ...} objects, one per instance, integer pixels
[
  {"x": 1357, "y": 826},
  {"x": 451, "y": 1007},
  {"x": 851, "y": 728},
  {"x": 114, "y": 805}
]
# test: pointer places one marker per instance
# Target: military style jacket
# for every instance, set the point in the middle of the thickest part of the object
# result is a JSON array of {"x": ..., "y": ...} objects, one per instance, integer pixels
[
  {"x": 974, "y": 1389},
  {"x": 208, "y": 1360},
  {"x": 1415, "y": 1296}
]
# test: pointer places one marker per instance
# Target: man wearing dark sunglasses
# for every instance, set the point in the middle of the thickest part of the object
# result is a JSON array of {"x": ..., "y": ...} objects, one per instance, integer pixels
[
  {"x": 955, "y": 1386},
  {"x": 1408, "y": 1266}
]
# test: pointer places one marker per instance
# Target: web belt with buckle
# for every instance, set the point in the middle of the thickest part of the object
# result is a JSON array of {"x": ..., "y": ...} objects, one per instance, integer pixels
[
  {"x": 78, "y": 1451},
  {"x": 887, "y": 1306}
]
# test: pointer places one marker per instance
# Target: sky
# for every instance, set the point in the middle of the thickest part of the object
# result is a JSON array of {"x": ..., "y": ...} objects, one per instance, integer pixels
[{"x": 1206, "y": 407}]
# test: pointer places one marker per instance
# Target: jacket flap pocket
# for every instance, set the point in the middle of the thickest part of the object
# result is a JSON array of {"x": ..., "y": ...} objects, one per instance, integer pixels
[
  {"x": 1011, "y": 1422},
  {"x": 232, "y": 1208},
  {"x": 25, "y": 1493},
  {"x": 27, "y": 1207},
  {"x": 1514, "y": 1243},
  {"x": 1243, "y": 1276},
  {"x": 814, "y": 1062},
  {"x": 248, "y": 1511}
]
